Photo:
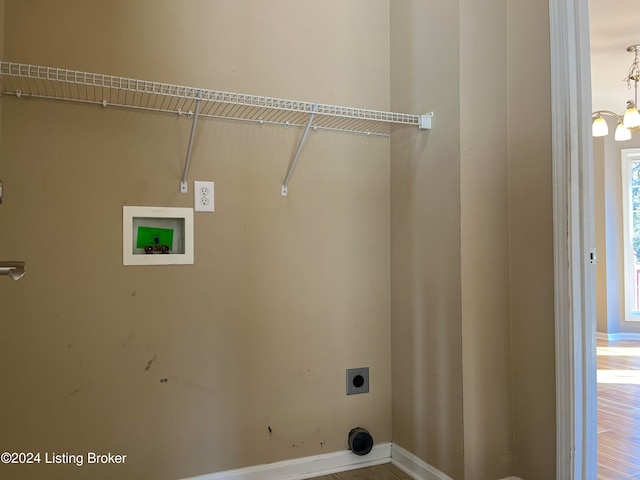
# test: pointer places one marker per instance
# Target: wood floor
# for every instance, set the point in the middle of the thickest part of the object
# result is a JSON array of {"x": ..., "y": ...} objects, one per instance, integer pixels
[
  {"x": 618, "y": 409},
  {"x": 386, "y": 471}
]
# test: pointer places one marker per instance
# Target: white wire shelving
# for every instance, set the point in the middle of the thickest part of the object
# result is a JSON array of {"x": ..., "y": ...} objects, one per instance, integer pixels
[{"x": 27, "y": 80}]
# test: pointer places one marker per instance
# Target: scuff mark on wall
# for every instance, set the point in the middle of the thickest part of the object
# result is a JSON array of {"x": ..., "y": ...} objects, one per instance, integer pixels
[
  {"x": 148, "y": 367},
  {"x": 78, "y": 390}
]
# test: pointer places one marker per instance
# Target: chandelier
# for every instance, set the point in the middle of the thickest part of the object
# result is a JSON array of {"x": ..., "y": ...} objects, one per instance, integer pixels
[{"x": 630, "y": 122}]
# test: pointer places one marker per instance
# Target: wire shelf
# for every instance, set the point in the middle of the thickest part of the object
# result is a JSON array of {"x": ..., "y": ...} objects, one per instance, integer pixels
[{"x": 57, "y": 83}]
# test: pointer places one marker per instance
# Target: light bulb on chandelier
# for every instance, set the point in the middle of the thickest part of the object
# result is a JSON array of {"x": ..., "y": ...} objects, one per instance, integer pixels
[{"x": 630, "y": 122}]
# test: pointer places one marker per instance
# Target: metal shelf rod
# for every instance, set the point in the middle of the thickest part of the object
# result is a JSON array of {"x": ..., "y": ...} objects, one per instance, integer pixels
[
  {"x": 202, "y": 115},
  {"x": 285, "y": 184},
  {"x": 183, "y": 182}
]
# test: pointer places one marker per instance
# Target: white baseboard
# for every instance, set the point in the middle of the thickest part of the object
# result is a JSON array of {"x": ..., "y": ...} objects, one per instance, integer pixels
[
  {"x": 617, "y": 336},
  {"x": 414, "y": 466},
  {"x": 315, "y": 466},
  {"x": 307, "y": 467}
]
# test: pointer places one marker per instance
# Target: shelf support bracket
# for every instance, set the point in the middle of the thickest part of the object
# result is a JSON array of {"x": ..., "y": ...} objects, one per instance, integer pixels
[
  {"x": 424, "y": 122},
  {"x": 183, "y": 182},
  {"x": 292, "y": 165}
]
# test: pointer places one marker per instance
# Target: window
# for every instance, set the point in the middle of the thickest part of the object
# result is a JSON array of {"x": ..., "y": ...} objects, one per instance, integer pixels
[{"x": 631, "y": 232}]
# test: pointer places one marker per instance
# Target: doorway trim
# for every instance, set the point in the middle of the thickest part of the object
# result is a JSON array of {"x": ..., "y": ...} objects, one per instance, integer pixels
[{"x": 576, "y": 395}]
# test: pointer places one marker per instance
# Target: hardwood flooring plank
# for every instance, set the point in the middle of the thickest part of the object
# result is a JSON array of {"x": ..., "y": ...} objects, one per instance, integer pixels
[
  {"x": 618, "y": 363},
  {"x": 605, "y": 473}
]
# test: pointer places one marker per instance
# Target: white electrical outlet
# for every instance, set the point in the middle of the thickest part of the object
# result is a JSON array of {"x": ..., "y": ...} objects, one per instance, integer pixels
[{"x": 203, "y": 196}]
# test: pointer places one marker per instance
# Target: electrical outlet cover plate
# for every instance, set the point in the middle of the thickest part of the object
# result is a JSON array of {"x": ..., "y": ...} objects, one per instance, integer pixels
[
  {"x": 357, "y": 380},
  {"x": 203, "y": 196}
]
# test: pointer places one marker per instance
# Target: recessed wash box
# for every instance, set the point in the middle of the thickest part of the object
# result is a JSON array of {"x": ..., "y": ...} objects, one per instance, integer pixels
[{"x": 157, "y": 236}]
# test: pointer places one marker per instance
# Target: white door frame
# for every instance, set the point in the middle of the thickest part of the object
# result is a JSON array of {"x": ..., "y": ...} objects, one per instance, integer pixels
[{"x": 576, "y": 394}]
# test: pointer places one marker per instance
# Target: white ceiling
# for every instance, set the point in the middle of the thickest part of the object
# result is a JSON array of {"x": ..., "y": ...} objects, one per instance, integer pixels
[{"x": 614, "y": 27}]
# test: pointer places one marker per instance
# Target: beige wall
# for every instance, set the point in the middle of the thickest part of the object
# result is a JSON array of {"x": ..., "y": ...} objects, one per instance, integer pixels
[
  {"x": 425, "y": 236},
  {"x": 451, "y": 282},
  {"x": 614, "y": 247},
  {"x": 2, "y": 23},
  {"x": 531, "y": 238},
  {"x": 602, "y": 314},
  {"x": 486, "y": 330},
  {"x": 285, "y": 293},
  {"x": 482, "y": 326},
  {"x": 1, "y": 58},
  {"x": 471, "y": 236}
]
